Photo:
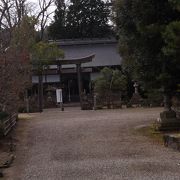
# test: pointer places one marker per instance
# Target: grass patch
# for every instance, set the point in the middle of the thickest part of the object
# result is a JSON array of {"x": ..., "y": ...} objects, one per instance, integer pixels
[{"x": 150, "y": 132}]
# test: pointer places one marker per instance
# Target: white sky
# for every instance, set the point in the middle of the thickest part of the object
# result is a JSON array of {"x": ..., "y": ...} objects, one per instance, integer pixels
[{"x": 50, "y": 9}]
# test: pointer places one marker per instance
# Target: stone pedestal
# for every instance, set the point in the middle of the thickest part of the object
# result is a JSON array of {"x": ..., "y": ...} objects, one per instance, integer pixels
[
  {"x": 172, "y": 141},
  {"x": 168, "y": 121},
  {"x": 136, "y": 98}
]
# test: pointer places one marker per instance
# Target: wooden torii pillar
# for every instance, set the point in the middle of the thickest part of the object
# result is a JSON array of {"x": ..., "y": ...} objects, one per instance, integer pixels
[
  {"x": 60, "y": 83},
  {"x": 78, "y": 67}
]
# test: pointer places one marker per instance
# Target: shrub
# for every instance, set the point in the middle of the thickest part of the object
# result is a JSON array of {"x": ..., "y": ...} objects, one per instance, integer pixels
[{"x": 111, "y": 83}]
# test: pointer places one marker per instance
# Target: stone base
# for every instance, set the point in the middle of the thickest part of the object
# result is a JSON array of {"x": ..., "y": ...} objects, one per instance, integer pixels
[
  {"x": 136, "y": 99},
  {"x": 172, "y": 141},
  {"x": 168, "y": 121}
]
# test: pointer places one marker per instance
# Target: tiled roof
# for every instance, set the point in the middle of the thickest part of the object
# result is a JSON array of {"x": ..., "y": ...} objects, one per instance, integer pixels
[
  {"x": 105, "y": 50},
  {"x": 70, "y": 42}
]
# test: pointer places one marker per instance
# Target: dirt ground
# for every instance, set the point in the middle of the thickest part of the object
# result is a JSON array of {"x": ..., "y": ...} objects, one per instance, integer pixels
[
  {"x": 4, "y": 150},
  {"x": 91, "y": 145}
]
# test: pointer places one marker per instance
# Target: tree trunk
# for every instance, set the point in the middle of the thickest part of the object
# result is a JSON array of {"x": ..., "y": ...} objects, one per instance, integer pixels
[{"x": 78, "y": 66}]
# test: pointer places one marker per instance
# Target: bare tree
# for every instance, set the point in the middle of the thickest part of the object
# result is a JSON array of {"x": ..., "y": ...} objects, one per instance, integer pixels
[
  {"x": 11, "y": 14},
  {"x": 13, "y": 11},
  {"x": 16, "y": 36},
  {"x": 44, "y": 14}
]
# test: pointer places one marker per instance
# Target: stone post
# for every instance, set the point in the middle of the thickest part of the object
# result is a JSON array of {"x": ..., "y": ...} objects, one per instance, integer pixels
[
  {"x": 136, "y": 98},
  {"x": 136, "y": 88}
]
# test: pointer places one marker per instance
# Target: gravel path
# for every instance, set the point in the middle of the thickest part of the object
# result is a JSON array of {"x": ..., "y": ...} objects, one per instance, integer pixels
[{"x": 92, "y": 145}]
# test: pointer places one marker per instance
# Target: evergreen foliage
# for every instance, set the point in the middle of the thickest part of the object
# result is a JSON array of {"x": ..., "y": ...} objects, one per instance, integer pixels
[
  {"x": 110, "y": 81},
  {"x": 57, "y": 29},
  {"x": 43, "y": 53},
  {"x": 149, "y": 41},
  {"x": 80, "y": 19}
]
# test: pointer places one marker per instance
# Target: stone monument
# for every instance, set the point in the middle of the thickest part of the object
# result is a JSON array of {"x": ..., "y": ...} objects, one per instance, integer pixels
[
  {"x": 136, "y": 98},
  {"x": 168, "y": 118}
]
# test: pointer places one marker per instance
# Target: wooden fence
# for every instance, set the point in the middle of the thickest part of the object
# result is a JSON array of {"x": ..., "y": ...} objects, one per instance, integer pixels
[{"x": 8, "y": 124}]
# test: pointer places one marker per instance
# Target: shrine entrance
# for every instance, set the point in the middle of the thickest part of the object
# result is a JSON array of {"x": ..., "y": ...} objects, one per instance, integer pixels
[
  {"x": 73, "y": 85},
  {"x": 70, "y": 86}
]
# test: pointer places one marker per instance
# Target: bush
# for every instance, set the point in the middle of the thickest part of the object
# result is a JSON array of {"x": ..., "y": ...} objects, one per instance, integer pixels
[
  {"x": 110, "y": 87},
  {"x": 154, "y": 98}
]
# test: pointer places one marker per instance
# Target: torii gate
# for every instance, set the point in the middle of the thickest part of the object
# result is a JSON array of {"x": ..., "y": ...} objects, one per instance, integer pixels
[{"x": 77, "y": 62}]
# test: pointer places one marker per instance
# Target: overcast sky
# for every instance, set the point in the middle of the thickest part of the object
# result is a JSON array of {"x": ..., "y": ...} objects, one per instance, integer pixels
[{"x": 50, "y": 9}]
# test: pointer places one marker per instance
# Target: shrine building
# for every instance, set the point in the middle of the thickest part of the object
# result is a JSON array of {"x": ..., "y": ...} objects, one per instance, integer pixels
[{"x": 89, "y": 55}]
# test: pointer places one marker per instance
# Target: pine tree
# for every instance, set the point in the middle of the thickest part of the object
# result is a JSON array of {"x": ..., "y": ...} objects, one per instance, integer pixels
[
  {"x": 81, "y": 19},
  {"x": 149, "y": 41},
  {"x": 57, "y": 28}
]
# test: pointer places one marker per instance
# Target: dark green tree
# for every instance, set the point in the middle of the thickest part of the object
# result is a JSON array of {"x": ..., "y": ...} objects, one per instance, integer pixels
[
  {"x": 110, "y": 82},
  {"x": 81, "y": 19},
  {"x": 148, "y": 41},
  {"x": 57, "y": 28}
]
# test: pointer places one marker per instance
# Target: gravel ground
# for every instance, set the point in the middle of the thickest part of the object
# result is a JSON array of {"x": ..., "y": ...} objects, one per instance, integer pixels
[{"x": 91, "y": 145}]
